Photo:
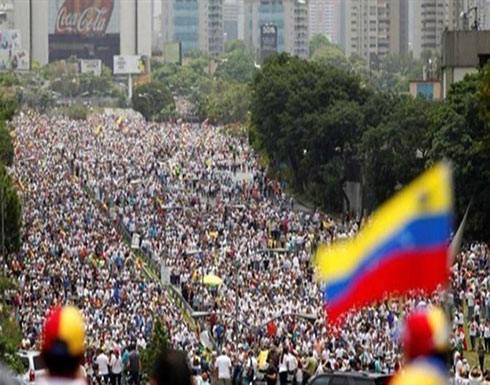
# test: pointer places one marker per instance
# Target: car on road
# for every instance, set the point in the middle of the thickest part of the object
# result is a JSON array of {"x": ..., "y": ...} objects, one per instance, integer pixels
[
  {"x": 350, "y": 378},
  {"x": 34, "y": 367}
]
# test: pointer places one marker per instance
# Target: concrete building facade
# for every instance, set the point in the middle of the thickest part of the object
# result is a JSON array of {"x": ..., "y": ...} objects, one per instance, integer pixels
[
  {"x": 376, "y": 28},
  {"x": 319, "y": 17},
  {"x": 289, "y": 16},
  {"x": 431, "y": 19},
  {"x": 233, "y": 19},
  {"x": 56, "y": 29},
  {"x": 197, "y": 24},
  {"x": 325, "y": 19},
  {"x": 463, "y": 52}
]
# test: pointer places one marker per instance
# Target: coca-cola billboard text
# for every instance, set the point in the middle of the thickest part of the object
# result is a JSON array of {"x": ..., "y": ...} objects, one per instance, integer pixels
[
  {"x": 83, "y": 17},
  {"x": 86, "y": 29}
]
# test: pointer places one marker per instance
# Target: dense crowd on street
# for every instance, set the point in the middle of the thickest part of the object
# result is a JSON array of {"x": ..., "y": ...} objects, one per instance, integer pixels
[{"x": 195, "y": 200}]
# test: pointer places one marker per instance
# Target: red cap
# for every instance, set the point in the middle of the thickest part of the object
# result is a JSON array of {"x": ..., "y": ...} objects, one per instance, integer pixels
[
  {"x": 426, "y": 332},
  {"x": 64, "y": 332}
]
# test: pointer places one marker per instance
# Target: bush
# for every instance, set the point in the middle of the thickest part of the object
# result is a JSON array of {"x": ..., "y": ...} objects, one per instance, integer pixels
[
  {"x": 8, "y": 106},
  {"x": 6, "y": 146},
  {"x": 158, "y": 343},
  {"x": 77, "y": 112},
  {"x": 154, "y": 101},
  {"x": 10, "y": 334},
  {"x": 8, "y": 79}
]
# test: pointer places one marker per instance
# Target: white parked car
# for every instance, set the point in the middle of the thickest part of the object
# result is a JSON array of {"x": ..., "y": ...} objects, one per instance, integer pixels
[{"x": 34, "y": 367}]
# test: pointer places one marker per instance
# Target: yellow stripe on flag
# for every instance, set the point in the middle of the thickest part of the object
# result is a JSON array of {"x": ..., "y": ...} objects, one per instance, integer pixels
[{"x": 430, "y": 194}]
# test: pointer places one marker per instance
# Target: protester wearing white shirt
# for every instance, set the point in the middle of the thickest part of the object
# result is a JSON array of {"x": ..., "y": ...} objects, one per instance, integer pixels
[{"x": 223, "y": 363}]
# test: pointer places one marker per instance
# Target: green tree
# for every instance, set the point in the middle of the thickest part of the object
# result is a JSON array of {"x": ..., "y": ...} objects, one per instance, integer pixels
[
  {"x": 332, "y": 56},
  {"x": 456, "y": 133},
  {"x": 235, "y": 45},
  {"x": 154, "y": 101},
  {"x": 318, "y": 41},
  {"x": 97, "y": 85},
  {"x": 484, "y": 107},
  {"x": 77, "y": 112},
  {"x": 237, "y": 65},
  {"x": 11, "y": 210},
  {"x": 159, "y": 342},
  {"x": 305, "y": 117},
  {"x": 196, "y": 53},
  {"x": 6, "y": 146},
  {"x": 10, "y": 334},
  {"x": 8, "y": 79},
  {"x": 8, "y": 105},
  {"x": 228, "y": 102},
  {"x": 396, "y": 71},
  {"x": 393, "y": 151}
]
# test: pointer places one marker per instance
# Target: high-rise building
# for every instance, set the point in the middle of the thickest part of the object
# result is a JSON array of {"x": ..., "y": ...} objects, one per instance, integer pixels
[
  {"x": 318, "y": 17},
  {"x": 196, "y": 24},
  {"x": 376, "y": 28},
  {"x": 431, "y": 18},
  {"x": 479, "y": 13},
  {"x": 233, "y": 19},
  {"x": 42, "y": 31},
  {"x": 213, "y": 16},
  {"x": 325, "y": 19},
  {"x": 6, "y": 15},
  {"x": 486, "y": 15},
  {"x": 341, "y": 28},
  {"x": 290, "y": 17}
]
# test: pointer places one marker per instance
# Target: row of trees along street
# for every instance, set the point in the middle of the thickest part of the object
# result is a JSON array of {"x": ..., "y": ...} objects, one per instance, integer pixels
[
  {"x": 311, "y": 121},
  {"x": 10, "y": 233},
  {"x": 217, "y": 89}
]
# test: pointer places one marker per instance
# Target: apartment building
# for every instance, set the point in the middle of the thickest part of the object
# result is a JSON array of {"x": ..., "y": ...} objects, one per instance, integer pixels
[
  {"x": 290, "y": 17},
  {"x": 376, "y": 28},
  {"x": 325, "y": 18},
  {"x": 431, "y": 19},
  {"x": 196, "y": 24}
]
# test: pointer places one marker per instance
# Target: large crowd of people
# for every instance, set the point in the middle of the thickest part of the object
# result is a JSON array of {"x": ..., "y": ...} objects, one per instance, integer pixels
[{"x": 196, "y": 201}]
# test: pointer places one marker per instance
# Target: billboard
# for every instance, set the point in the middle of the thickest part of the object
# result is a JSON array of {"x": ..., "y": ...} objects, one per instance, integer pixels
[
  {"x": 172, "y": 52},
  {"x": 130, "y": 64},
  {"x": 425, "y": 90},
  {"x": 87, "y": 29},
  {"x": 88, "y": 66},
  {"x": 12, "y": 56},
  {"x": 268, "y": 40}
]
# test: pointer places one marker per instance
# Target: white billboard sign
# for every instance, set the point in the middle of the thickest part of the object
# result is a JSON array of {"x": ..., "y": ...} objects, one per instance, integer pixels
[
  {"x": 91, "y": 67},
  {"x": 129, "y": 64}
]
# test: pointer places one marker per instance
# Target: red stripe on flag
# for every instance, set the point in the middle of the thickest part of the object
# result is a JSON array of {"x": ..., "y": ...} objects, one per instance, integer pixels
[{"x": 400, "y": 273}]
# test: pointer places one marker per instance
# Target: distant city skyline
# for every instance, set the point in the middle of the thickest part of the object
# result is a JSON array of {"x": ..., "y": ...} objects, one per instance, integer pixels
[{"x": 369, "y": 28}]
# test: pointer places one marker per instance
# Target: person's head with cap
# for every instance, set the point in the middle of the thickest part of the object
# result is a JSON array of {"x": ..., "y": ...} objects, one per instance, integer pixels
[
  {"x": 426, "y": 333},
  {"x": 63, "y": 341}
]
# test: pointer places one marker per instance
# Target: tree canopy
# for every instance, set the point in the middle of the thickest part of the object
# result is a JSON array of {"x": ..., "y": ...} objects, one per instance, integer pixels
[
  {"x": 10, "y": 219},
  {"x": 316, "y": 123},
  {"x": 154, "y": 101},
  {"x": 238, "y": 65}
]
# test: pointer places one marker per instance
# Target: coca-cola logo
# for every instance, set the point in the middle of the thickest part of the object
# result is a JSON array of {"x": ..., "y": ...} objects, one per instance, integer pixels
[{"x": 84, "y": 17}]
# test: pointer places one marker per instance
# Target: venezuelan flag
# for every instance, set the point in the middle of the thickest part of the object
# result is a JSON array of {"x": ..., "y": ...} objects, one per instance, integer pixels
[{"x": 404, "y": 246}]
